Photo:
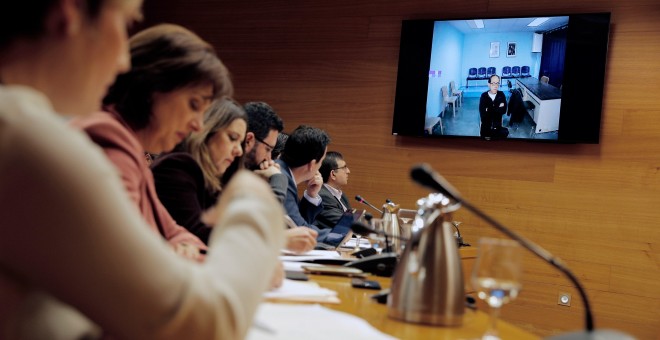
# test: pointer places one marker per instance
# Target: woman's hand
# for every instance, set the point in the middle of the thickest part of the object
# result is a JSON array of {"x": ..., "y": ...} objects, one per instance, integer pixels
[{"x": 189, "y": 251}]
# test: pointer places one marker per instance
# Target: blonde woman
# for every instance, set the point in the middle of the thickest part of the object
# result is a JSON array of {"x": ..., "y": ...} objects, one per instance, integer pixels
[{"x": 190, "y": 180}]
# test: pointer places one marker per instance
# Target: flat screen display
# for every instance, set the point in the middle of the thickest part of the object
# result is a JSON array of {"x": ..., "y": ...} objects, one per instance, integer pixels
[{"x": 532, "y": 78}]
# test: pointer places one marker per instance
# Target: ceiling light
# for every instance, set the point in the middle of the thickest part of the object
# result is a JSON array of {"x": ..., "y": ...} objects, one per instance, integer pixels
[
  {"x": 477, "y": 23},
  {"x": 537, "y": 22}
]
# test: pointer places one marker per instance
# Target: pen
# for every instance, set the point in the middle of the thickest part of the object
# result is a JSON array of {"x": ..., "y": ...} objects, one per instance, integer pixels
[{"x": 290, "y": 224}]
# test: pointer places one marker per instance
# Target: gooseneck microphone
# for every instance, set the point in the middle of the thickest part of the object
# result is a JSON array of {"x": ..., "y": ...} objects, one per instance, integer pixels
[
  {"x": 364, "y": 230},
  {"x": 363, "y": 201},
  {"x": 459, "y": 238},
  {"x": 423, "y": 174}
]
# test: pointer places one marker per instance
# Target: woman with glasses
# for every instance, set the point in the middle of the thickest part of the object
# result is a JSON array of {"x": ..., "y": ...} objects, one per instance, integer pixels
[{"x": 492, "y": 106}]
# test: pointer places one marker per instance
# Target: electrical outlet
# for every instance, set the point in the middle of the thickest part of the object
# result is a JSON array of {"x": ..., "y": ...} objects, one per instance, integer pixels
[{"x": 564, "y": 299}]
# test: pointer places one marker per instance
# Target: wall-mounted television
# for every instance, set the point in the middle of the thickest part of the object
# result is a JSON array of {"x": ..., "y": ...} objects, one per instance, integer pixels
[{"x": 550, "y": 69}]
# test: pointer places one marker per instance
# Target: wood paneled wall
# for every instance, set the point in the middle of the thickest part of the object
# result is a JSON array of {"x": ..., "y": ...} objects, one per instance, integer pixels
[{"x": 332, "y": 64}]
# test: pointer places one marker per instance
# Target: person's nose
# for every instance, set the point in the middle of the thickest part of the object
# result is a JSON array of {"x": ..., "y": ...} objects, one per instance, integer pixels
[
  {"x": 238, "y": 151},
  {"x": 124, "y": 63},
  {"x": 197, "y": 123}
]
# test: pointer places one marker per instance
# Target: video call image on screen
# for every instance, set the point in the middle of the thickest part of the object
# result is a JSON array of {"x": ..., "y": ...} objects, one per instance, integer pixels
[
  {"x": 541, "y": 68},
  {"x": 471, "y": 51}
]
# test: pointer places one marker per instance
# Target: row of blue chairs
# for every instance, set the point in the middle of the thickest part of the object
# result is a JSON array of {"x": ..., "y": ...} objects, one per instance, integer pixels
[{"x": 507, "y": 72}]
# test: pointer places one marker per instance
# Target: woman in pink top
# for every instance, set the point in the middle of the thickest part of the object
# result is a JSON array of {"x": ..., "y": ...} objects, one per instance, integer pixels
[{"x": 173, "y": 79}]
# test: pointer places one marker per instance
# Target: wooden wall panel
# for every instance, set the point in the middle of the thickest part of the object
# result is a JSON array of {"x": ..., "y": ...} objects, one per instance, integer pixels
[{"x": 332, "y": 64}]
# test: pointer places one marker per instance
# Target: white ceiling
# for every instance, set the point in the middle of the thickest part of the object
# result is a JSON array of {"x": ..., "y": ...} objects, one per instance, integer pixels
[{"x": 510, "y": 25}]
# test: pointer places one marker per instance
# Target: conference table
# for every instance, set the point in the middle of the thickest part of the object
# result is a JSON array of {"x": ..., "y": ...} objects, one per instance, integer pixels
[{"x": 358, "y": 302}]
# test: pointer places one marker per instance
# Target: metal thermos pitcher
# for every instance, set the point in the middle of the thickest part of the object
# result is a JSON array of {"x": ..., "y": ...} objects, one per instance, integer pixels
[
  {"x": 427, "y": 286},
  {"x": 391, "y": 226}
]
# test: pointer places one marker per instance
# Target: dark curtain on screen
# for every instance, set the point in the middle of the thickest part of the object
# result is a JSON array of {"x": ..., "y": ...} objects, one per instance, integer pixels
[{"x": 552, "y": 59}]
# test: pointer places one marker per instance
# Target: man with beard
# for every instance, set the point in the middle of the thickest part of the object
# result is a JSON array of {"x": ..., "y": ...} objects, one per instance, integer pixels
[{"x": 264, "y": 126}]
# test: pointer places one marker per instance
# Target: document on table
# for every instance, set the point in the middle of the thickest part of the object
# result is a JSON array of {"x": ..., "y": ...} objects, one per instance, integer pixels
[
  {"x": 284, "y": 321},
  {"x": 310, "y": 255},
  {"x": 302, "y": 292}
]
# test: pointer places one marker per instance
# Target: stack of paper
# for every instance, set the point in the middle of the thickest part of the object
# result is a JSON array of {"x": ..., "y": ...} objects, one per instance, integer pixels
[
  {"x": 296, "y": 291},
  {"x": 283, "y": 321}
]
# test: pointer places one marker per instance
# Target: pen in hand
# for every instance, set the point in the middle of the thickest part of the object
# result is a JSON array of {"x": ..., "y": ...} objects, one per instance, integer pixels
[{"x": 290, "y": 224}]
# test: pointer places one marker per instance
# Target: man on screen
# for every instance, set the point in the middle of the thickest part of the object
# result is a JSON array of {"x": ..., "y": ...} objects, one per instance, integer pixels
[{"x": 492, "y": 106}]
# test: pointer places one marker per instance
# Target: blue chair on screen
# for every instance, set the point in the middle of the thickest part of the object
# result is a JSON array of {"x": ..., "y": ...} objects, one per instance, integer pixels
[
  {"x": 506, "y": 72},
  {"x": 491, "y": 71},
  {"x": 472, "y": 73},
  {"x": 515, "y": 71},
  {"x": 482, "y": 73},
  {"x": 524, "y": 72}
]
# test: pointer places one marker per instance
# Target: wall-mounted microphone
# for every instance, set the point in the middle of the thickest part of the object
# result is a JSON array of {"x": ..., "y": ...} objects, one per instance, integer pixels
[
  {"x": 363, "y": 201},
  {"x": 424, "y": 175}
]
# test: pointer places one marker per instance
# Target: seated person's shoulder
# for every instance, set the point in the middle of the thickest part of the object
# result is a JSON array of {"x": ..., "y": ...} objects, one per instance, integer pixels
[{"x": 180, "y": 160}]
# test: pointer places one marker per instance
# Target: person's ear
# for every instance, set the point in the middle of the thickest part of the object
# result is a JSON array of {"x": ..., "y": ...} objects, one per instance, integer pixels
[
  {"x": 65, "y": 19},
  {"x": 249, "y": 141},
  {"x": 310, "y": 165}
]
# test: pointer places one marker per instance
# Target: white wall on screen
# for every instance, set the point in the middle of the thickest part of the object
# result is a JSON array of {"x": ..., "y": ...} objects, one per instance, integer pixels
[{"x": 446, "y": 54}]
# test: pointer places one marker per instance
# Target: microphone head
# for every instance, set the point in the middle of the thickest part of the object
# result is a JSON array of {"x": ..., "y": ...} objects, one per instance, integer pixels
[
  {"x": 358, "y": 198},
  {"x": 424, "y": 175}
]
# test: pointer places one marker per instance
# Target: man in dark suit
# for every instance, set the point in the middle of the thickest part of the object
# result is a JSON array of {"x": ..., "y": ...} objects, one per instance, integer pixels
[
  {"x": 492, "y": 106},
  {"x": 300, "y": 161},
  {"x": 334, "y": 171}
]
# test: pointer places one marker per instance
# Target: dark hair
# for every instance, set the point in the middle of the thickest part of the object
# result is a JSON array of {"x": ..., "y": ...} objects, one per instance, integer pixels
[
  {"x": 279, "y": 146},
  {"x": 305, "y": 144},
  {"x": 164, "y": 58},
  {"x": 261, "y": 119},
  {"x": 26, "y": 19},
  {"x": 329, "y": 164},
  {"x": 491, "y": 78}
]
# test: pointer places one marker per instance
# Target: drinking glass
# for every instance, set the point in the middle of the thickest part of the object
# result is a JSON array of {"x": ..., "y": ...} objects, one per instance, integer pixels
[
  {"x": 496, "y": 276},
  {"x": 377, "y": 241}
]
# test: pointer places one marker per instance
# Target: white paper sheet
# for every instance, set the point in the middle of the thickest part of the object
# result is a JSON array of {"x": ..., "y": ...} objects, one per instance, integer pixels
[
  {"x": 286, "y": 321},
  {"x": 302, "y": 291}
]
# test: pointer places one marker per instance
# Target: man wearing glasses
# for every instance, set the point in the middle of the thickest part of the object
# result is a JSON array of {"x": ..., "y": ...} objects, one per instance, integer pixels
[
  {"x": 334, "y": 171},
  {"x": 492, "y": 106},
  {"x": 264, "y": 127}
]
